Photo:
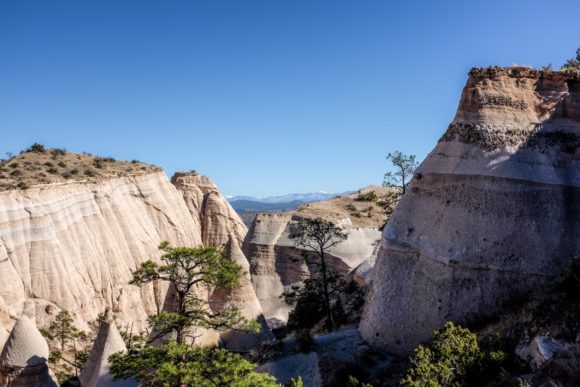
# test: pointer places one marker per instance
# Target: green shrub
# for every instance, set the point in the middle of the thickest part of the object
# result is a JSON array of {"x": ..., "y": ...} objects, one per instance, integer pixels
[
  {"x": 89, "y": 172},
  {"x": 573, "y": 63},
  {"x": 180, "y": 364},
  {"x": 13, "y": 165},
  {"x": 16, "y": 173},
  {"x": 37, "y": 148},
  {"x": 54, "y": 171},
  {"x": 446, "y": 361},
  {"x": 49, "y": 164},
  {"x": 22, "y": 185},
  {"x": 57, "y": 152},
  {"x": 62, "y": 164},
  {"x": 296, "y": 382},
  {"x": 370, "y": 196},
  {"x": 452, "y": 359}
]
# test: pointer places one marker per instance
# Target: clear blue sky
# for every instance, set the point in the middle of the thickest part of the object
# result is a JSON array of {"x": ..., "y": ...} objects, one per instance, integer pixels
[{"x": 266, "y": 97}]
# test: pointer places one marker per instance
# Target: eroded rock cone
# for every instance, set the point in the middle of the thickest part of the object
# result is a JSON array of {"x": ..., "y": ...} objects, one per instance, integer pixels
[
  {"x": 244, "y": 298},
  {"x": 23, "y": 361},
  {"x": 95, "y": 372}
]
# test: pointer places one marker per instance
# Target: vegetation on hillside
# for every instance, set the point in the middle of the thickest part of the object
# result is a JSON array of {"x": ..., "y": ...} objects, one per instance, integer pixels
[
  {"x": 318, "y": 236},
  {"x": 39, "y": 165},
  {"x": 453, "y": 358},
  {"x": 404, "y": 166},
  {"x": 573, "y": 63},
  {"x": 190, "y": 272}
]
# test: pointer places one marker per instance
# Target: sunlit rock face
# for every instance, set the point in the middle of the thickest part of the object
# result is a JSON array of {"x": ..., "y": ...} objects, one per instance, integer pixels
[
  {"x": 73, "y": 246},
  {"x": 492, "y": 215}
]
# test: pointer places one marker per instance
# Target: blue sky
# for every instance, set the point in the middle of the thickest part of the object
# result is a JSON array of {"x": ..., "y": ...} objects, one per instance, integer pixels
[{"x": 266, "y": 97}]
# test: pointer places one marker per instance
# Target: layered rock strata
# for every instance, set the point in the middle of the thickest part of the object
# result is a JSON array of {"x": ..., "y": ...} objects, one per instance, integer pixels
[
  {"x": 73, "y": 245},
  {"x": 492, "y": 213}
]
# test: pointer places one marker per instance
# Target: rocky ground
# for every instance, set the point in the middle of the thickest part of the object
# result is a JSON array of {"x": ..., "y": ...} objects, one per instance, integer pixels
[{"x": 39, "y": 166}]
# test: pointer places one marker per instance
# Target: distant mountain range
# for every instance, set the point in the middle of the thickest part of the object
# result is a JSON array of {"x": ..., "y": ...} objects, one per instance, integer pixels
[
  {"x": 249, "y": 206},
  {"x": 297, "y": 197}
]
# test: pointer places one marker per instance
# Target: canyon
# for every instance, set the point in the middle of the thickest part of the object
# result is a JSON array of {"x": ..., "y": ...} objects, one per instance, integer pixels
[
  {"x": 276, "y": 263},
  {"x": 490, "y": 220}
]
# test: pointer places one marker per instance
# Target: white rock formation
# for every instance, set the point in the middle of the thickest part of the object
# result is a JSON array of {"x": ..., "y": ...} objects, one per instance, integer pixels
[
  {"x": 492, "y": 213},
  {"x": 246, "y": 300},
  {"x": 96, "y": 370},
  {"x": 23, "y": 361},
  {"x": 72, "y": 246},
  {"x": 218, "y": 220}
]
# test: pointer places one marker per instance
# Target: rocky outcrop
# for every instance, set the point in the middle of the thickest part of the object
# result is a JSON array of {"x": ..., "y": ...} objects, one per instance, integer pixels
[
  {"x": 23, "y": 361},
  {"x": 492, "y": 213},
  {"x": 73, "y": 245},
  {"x": 96, "y": 370},
  {"x": 275, "y": 262},
  {"x": 246, "y": 300},
  {"x": 217, "y": 219},
  {"x": 286, "y": 369}
]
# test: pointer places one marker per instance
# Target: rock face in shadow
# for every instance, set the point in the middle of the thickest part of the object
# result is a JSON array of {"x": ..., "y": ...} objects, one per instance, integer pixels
[
  {"x": 73, "y": 245},
  {"x": 492, "y": 215},
  {"x": 96, "y": 370},
  {"x": 275, "y": 262},
  {"x": 24, "y": 358}
]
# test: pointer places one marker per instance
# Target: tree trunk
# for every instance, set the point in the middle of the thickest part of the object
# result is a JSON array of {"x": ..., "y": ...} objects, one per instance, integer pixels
[{"x": 329, "y": 317}]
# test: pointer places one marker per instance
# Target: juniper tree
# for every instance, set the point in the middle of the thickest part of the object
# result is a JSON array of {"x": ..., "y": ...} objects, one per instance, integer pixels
[
  {"x": 319, "y": 236},
  {"x": 573, "y": 63},
  {"x": 404, "y": 165},
  {"x": 187, "y": 270},
  {"x": 176, "y": 362},
  {"x": 63, "y": 329}
]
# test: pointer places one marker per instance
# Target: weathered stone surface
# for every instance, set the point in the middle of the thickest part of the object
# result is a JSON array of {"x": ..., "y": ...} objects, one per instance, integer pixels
[
  {"x": 23, "y": 361},
  {"x": 494, "y": 216},
  {"x": 540, "y": 350},
  {"x": 246, "y": 300},
  {"x": 73, "y": 246},
  {"x": 292, "y": 367},
  {"x": 96, "y": 370},
  {"x": 217, "y": 219},
  {"x": 275, "y": 262}
]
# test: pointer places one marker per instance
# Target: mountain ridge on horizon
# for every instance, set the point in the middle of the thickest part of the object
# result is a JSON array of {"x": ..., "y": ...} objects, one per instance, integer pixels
[{"x": 302, "y": 197}]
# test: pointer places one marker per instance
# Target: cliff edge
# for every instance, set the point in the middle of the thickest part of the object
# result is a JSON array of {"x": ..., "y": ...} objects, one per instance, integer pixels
[{"x": 492, "y": 214}]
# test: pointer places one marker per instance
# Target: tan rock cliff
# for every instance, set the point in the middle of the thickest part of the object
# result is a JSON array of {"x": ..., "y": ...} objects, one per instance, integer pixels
[
  {"x": 492, "y": 213},
  {"x": 72, "y": 245}
]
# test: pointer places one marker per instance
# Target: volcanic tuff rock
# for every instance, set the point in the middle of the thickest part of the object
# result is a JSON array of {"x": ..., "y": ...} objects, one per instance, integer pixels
[
  {"x": 275, "y": 263},
  {"x": 96, "y": 370},
  {"x": 23, "y": 361},
  {"x": 492, "y": 214},
  {"x": 73, "y": 245}
]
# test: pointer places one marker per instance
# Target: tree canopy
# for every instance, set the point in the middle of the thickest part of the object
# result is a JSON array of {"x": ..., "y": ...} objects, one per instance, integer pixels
[
  {"x": 573, "y": 63},
  {"x": 178, "y": 364},
  {"x": 318, "y": 236},
  {"x": 404, "y": 166},
  {"x": 188, "y": 270}
]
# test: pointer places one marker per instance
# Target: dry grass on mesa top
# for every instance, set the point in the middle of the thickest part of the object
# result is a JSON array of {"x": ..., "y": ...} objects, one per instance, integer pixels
[
  {"x": 39, "y": 166},
  {"x": 362, "y": 207}
]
